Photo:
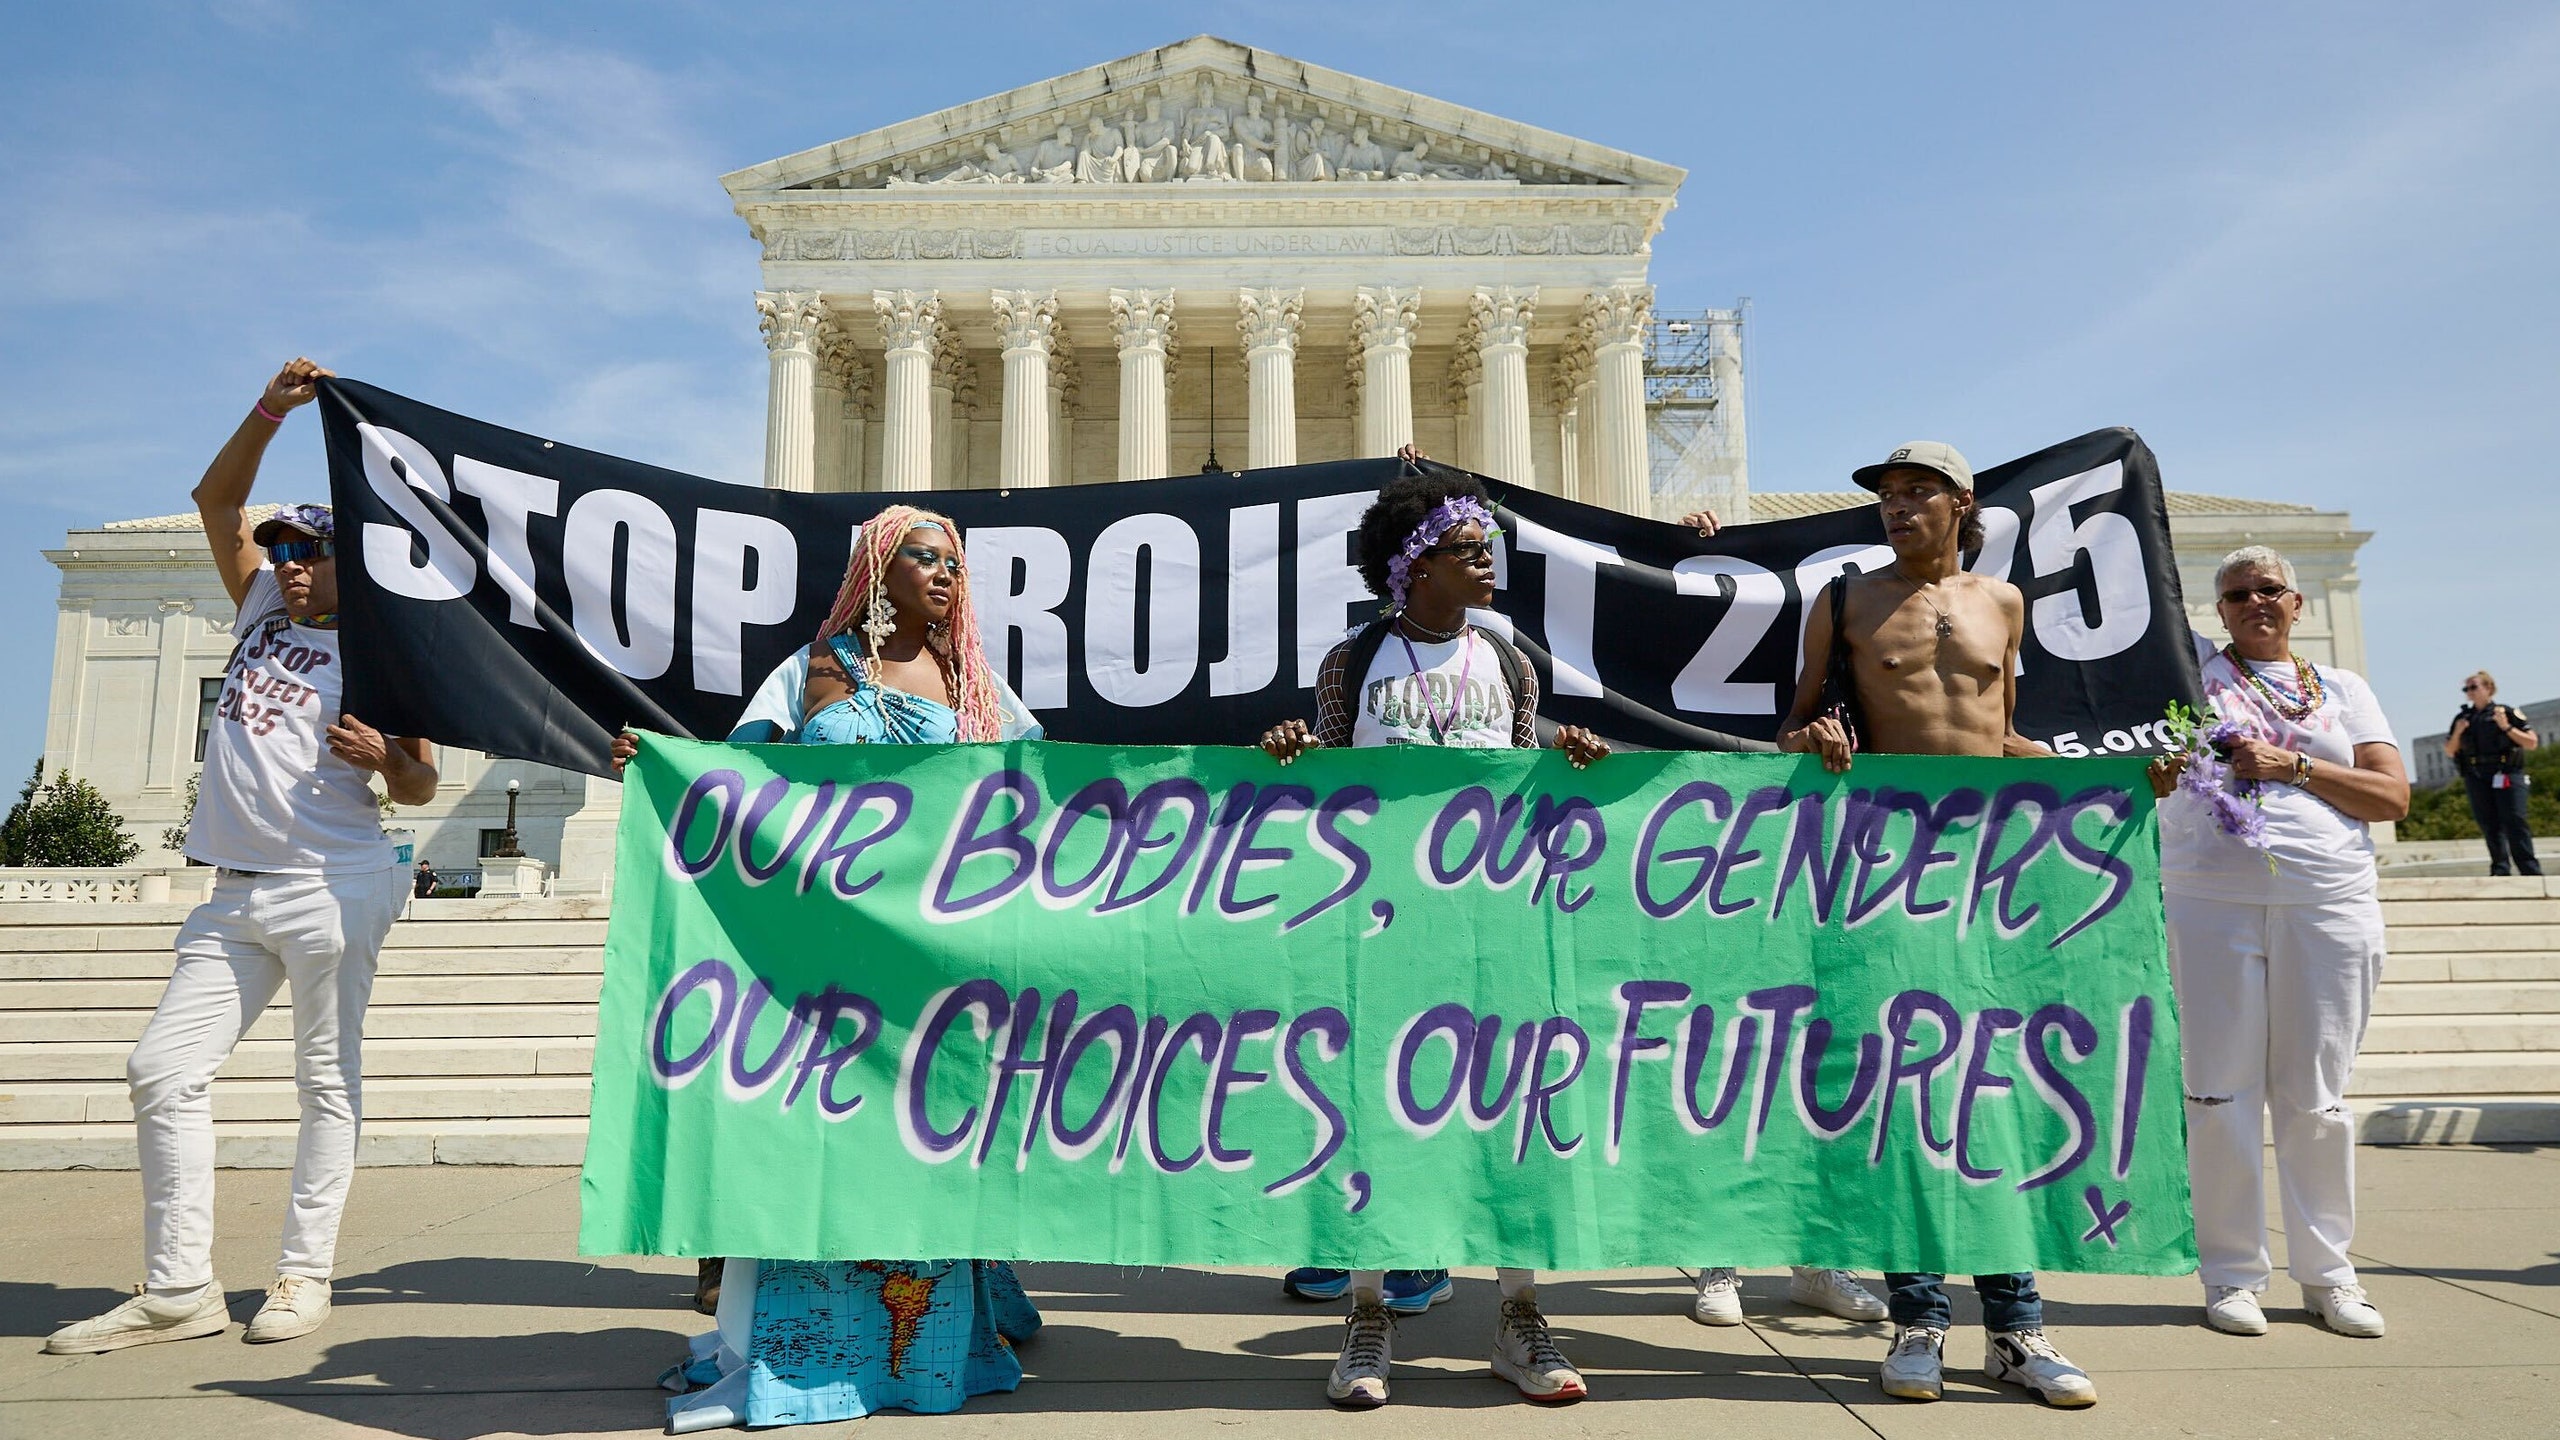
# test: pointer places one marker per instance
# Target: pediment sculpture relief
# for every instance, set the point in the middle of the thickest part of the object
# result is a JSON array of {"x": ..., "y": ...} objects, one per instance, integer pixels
[{"x": 1220, "y": 131}]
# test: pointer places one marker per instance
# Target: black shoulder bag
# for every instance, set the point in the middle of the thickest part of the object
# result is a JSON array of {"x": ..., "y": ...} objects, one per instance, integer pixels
[{"x": 1839, "y": 684}]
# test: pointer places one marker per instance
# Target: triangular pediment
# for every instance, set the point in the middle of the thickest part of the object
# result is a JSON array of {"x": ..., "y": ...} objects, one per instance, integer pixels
[{"x": 1204, "y": 112}]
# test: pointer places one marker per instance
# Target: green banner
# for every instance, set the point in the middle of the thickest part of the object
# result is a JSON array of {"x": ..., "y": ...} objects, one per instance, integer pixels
[{"x": 1390, "y": 1007}]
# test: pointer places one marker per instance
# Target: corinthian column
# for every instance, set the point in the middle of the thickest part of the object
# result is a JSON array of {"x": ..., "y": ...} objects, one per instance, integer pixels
[
  {"x": 1025, "y": 325},
  {"x": 1724, "y": 366},
  {"x": 855, "y": 378},
  {"x": 1572, "y": 380},
  {"x": 1614, "y": 320},
  {"x": 955, "y": 394},
  {"x": 1382, "y": 326},
  {"x": 1502, "y": 331},
  {"x": 1268, "y": 320},
  {"x": 790, "y": 320},
  {"x": 1065, "y": 380},
  {"x": 910, "y": 332},
  {"x": 1465, "y": 394},
  {"x": 1142, "y": 326}
]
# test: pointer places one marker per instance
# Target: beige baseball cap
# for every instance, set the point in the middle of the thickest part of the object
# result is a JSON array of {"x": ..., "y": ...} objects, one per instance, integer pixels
[{"x": 1935, "y": 456}]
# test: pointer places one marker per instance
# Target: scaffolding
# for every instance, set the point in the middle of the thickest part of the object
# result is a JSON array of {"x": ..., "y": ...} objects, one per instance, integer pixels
[{"x": 1693, "y": 410}]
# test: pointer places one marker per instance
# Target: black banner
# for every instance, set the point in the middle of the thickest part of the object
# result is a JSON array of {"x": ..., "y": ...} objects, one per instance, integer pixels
[{"x": 528, "y": 599}]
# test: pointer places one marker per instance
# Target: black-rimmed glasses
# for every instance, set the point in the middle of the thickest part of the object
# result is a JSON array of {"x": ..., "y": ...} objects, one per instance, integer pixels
[{"x": 1468, "y": 552}]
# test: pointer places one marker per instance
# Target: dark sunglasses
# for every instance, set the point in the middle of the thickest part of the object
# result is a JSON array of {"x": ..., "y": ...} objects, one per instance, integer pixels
[
  {"x": 2268, "y": 591},
  {"x": 300, "y": 552},
  {"x": 931, "y": 559},
  {"x": 1468, "y": 552},
  {"x": 2470, "y": 685}
]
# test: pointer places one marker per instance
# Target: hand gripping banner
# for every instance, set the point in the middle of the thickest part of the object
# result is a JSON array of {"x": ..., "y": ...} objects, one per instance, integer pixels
[
  {"x": 528, "y": 599},
  {"x": 1390, "y": 1007}
]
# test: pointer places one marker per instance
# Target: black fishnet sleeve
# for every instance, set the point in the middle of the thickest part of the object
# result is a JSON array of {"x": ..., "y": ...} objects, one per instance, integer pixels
[
  {"x": 1333, "y": 697},
  {"x": 1524, "y": 710}
]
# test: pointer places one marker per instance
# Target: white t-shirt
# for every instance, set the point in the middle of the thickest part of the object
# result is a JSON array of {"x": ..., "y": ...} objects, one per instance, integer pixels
[
  {"x": 273, "y": 797},
  {"x": 1458, "y": 697},
  {"x": 2320, "y": 852}
]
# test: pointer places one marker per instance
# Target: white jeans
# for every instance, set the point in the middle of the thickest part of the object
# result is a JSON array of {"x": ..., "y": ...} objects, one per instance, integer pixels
[
  {"x": 320, "y": 932},
  {"x": 2272, "y": 1003}
]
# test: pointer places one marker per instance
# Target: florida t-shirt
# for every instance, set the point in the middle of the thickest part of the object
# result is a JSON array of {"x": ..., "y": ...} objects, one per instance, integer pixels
[
  {"x": 1449, "y": 693},
  {"x": 274, "y": 798},
  {"x": 2320, "y": 852}
]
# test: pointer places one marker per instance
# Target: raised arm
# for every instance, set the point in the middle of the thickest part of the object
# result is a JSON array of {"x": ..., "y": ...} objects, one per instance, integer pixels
[{"x": 222, "y": 496}]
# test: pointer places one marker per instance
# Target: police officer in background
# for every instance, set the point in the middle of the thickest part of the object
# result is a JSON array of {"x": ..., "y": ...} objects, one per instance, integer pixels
[{"x": 2486, "y": 742}]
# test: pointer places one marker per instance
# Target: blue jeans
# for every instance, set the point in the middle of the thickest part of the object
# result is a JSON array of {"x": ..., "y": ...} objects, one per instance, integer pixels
[{"x": 2009, "y": 1302}]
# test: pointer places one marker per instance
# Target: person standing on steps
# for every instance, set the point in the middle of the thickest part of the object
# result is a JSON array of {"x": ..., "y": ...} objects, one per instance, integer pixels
[
  {"x": 1930, "y": 653},
  {"x": 1425, "y": 675},
  {"x": 2487, "y": 742},
  {"x": 305, "y": 890}
]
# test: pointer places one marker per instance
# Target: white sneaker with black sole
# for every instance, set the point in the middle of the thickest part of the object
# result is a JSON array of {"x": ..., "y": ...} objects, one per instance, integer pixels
[
  {"x": 2343, "y": 1308},
  {"x": 1719, "y": 1300},
  {"x": 2233, "y": 1310},
  {"x": 146, "y": 1319},
  {"x": 2025, "y": 1357},
  {"x": 1359, "y": 1379},
  {"x": 1915, "y": 1369},
  {"x": 1834, "y": 1292}
]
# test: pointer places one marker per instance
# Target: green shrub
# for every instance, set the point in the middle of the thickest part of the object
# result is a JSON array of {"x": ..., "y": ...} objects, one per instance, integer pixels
[{"x": 65, "y": 823}]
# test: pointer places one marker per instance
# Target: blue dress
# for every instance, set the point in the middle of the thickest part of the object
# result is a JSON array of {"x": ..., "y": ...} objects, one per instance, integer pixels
[{"x": 813, "y": 1340}]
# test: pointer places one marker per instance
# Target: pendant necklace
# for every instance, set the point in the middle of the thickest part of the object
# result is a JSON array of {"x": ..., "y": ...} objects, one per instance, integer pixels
[{"x": 1946, "y": 623}]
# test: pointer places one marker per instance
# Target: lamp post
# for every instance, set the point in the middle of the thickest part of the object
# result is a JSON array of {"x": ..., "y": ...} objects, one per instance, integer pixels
[{"x": 507, "y": 847}]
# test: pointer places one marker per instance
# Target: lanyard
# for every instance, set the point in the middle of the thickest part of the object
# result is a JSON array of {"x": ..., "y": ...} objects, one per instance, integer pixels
[{"x": 1440, "y": 729}]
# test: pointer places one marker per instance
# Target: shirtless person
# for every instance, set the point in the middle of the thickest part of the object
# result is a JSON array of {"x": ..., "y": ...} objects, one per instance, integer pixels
[{"x": 1933, "y": 654}]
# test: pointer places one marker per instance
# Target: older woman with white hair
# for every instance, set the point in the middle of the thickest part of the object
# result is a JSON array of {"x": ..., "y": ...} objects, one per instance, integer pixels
[{"x": 2275, "y": 944}]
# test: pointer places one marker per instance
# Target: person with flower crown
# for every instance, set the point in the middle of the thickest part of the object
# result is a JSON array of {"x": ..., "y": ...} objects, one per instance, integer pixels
[
  {"x": 2275, "y": 945},
  {"x": 897, "y": 662},
  {"x": 1423, "y": 674}
]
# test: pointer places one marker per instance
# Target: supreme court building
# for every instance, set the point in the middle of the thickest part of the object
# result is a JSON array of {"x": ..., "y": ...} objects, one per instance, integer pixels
[{"x": 1204, "y": 255}]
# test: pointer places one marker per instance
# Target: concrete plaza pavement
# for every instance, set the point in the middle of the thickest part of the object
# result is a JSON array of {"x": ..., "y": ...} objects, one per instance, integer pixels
[{"x": 464, "y": 1311}]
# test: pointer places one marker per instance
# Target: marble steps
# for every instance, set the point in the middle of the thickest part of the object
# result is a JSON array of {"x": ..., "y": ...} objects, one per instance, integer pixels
[
  {"x": 460, "y": 1022},
  {"x": 268, "y": 1144},
  {"x": 106, "y": 1102},
  {"x": 487, "y": 1057}
]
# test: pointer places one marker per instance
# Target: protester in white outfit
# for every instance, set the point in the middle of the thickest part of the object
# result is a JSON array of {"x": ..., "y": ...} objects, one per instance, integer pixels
[
  {"x": 2276, "y": 948},
  {"x": 304, "y": 891}
]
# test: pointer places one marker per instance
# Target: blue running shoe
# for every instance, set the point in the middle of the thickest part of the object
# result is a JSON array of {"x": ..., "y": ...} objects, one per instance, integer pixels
[
  {"x": 1309, "y": 1282},
  {"x": 1410, "y": 1292}
]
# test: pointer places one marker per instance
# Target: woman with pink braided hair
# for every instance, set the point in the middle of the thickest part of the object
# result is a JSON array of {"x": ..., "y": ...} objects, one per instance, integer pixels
[{"x": 898, "y": 662}]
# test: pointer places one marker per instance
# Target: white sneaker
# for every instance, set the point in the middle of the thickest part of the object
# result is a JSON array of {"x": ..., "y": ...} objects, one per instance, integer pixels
[
  {"x": 1719, "y": 1299},
  {"x": 1834, "y": 1292},
  {"x": 2233, "y": 1311},
  {"x": 296, "y": 1304},
  {"x": 1359, "y": 1380},
  {"x": 1915, "y": 1369},
  {"x": 1526, "y": 1355},
  {"x": 146, "y": 1319},
  {"x": 2025, "y": 1357},
  {"x": 2343, "y": 1308}
]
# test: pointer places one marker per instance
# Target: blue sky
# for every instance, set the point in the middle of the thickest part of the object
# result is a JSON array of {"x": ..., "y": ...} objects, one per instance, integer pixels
[{"x": 2308, "y": 250}]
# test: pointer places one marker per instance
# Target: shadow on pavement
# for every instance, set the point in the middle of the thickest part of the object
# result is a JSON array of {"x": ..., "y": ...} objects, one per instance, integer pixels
[
  {"x": 36, "y": 1310},
  {"x": 442, "y": 1387},
  {"x": 499, "y": 1280}
]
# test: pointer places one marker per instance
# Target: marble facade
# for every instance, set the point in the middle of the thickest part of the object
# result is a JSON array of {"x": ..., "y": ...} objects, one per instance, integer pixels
[{"x": 1035, "y": 289}]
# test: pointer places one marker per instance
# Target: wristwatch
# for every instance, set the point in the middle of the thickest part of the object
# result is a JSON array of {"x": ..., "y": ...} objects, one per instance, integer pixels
[{"x": 2301, "y": 772}]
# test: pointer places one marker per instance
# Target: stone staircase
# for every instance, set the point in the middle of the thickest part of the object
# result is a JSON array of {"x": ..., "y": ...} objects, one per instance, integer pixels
[
  {"x": 482, "y": 1030},
  {"x": 477, "y": 1045}
]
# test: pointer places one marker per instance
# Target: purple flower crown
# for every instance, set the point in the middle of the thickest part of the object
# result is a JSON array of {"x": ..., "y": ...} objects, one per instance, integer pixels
[{"x": 1448, "y": 515}]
